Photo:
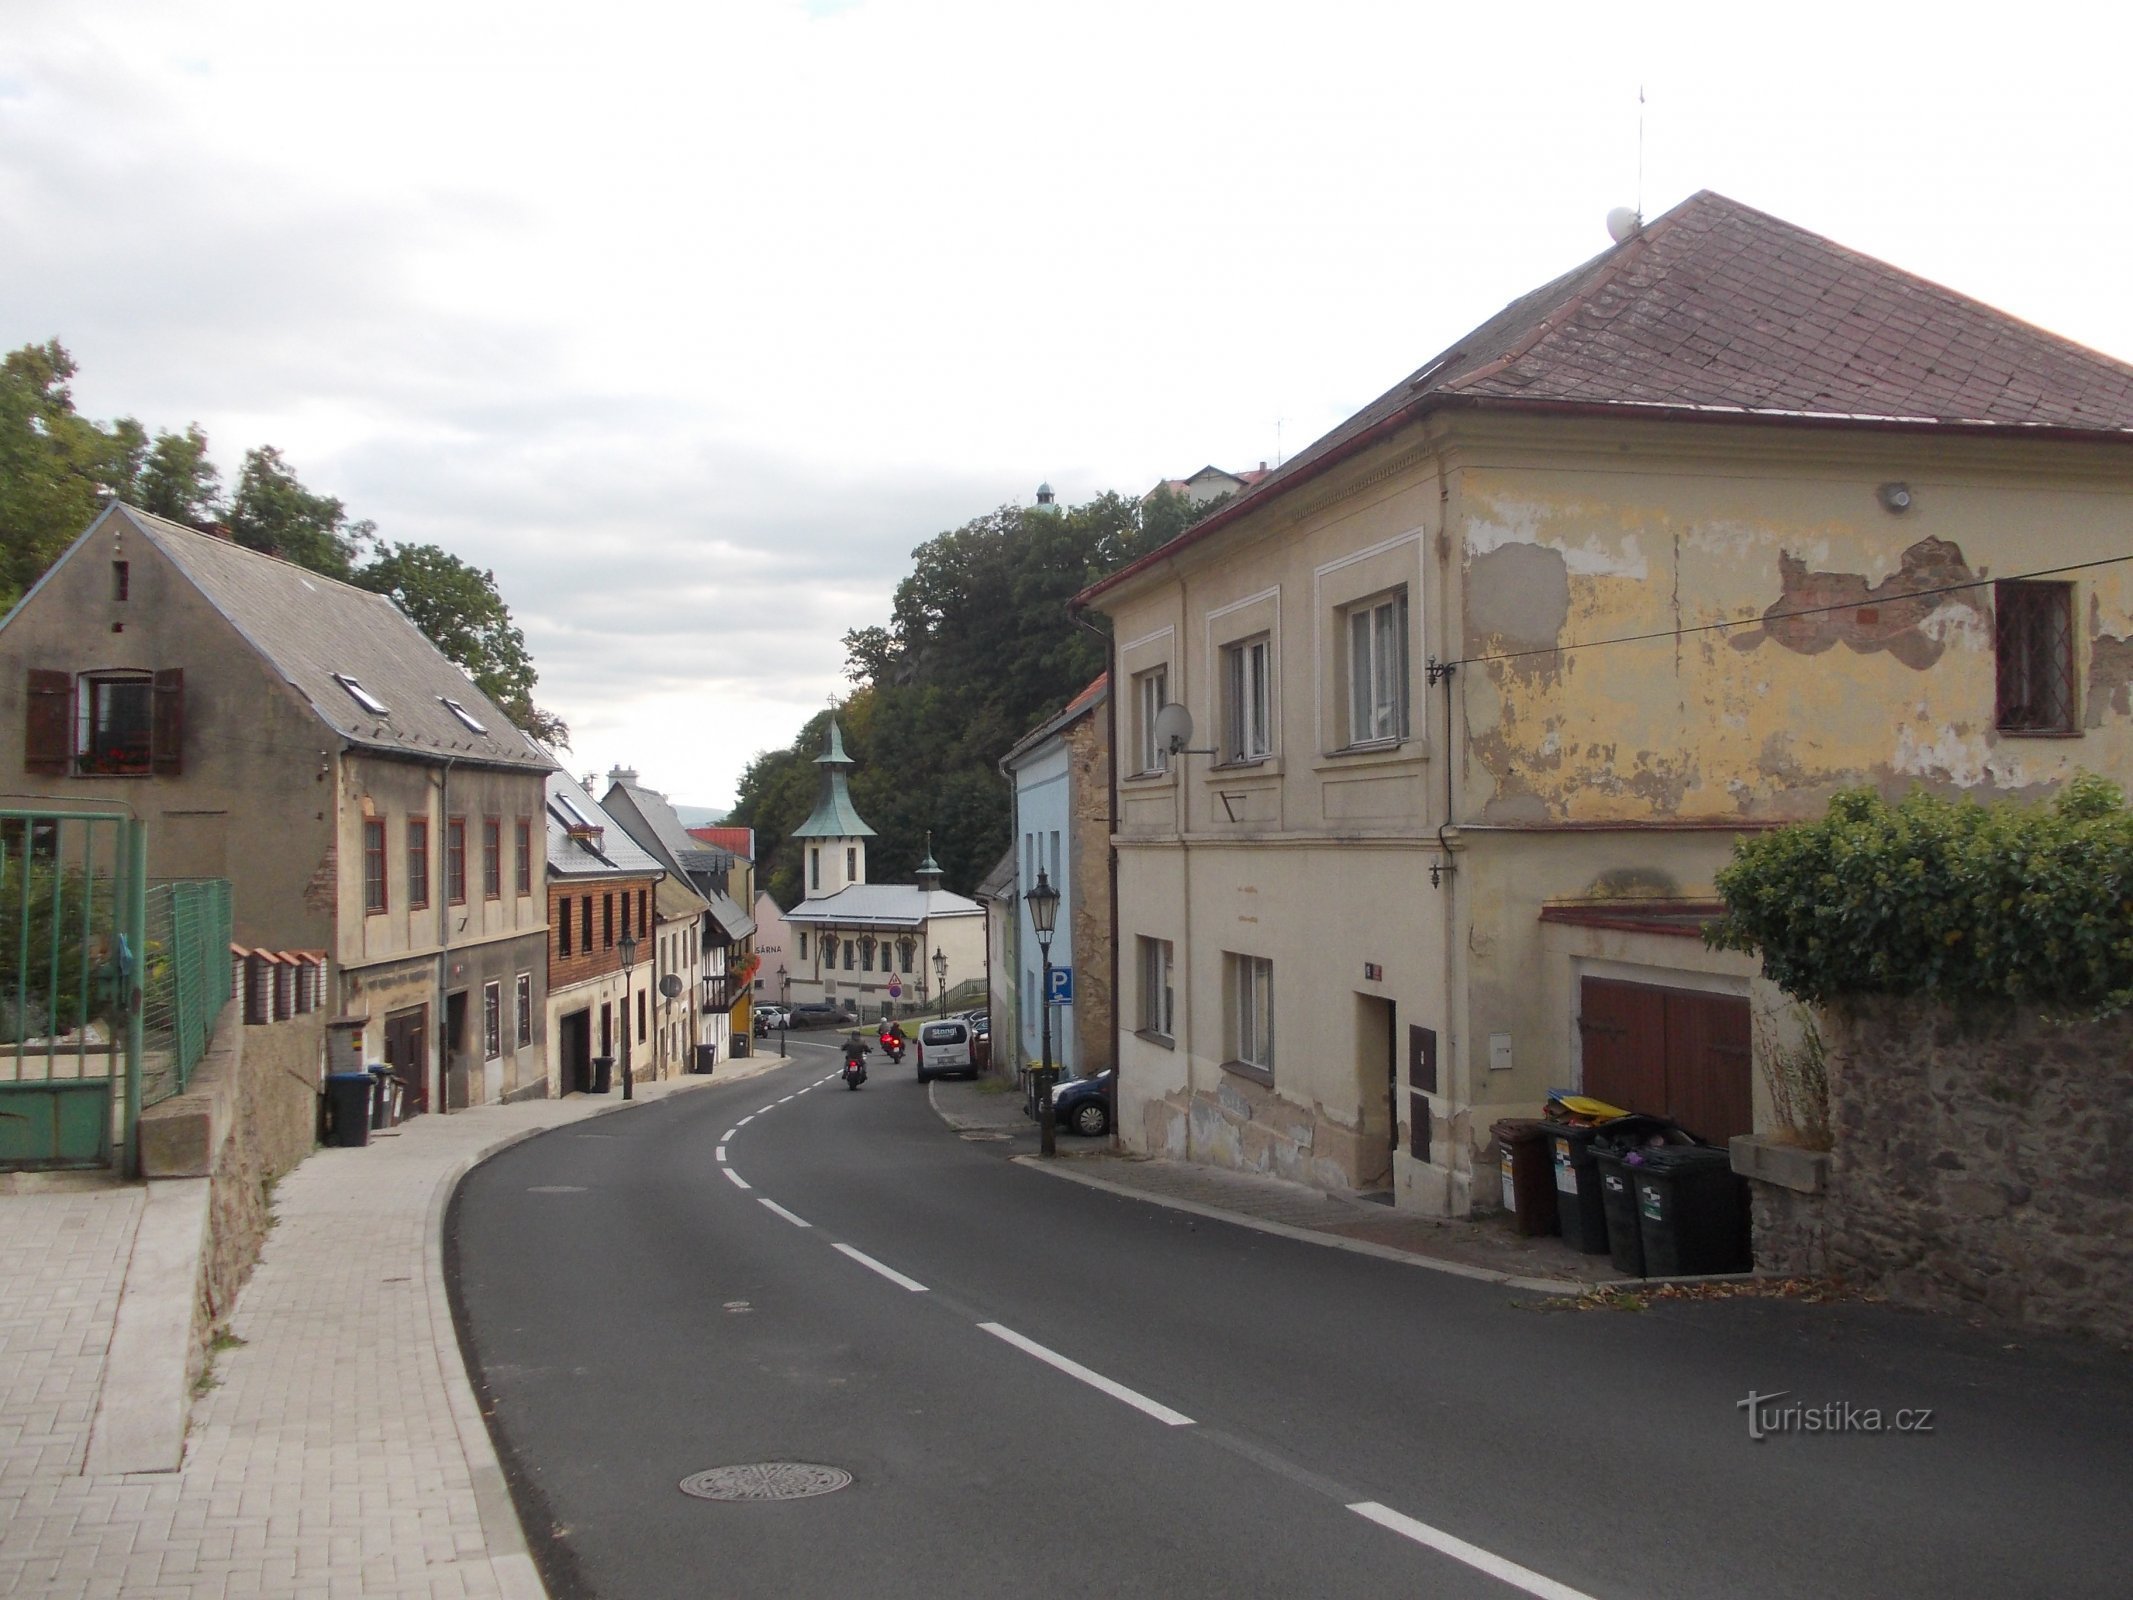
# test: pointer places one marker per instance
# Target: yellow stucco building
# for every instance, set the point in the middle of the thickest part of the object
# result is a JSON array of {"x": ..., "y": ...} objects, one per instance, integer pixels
[{"x": 1485, "y": 684}]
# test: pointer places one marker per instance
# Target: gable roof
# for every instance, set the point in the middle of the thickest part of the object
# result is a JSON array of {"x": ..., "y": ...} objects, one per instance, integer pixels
[
  {"x": 658, "y": 828},
  {"x": 1720, "y": 311},
  {"x": 1091, "y": 696},
  {"x": 309, "y": 628},
  {"x": 896, "y": 905},
  {"x": 584, "y": 841},
  {"x": 727, "y": 836}
]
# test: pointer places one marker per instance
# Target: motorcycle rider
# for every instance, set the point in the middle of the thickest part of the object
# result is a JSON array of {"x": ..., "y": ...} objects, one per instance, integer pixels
[
  {"x": 855, "y": 1051},
  {"x": 892, "y": 1038}
]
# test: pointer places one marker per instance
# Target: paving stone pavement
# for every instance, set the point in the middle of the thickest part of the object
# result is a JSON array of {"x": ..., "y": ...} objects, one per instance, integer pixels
[{"x": 338, "y": 1451}]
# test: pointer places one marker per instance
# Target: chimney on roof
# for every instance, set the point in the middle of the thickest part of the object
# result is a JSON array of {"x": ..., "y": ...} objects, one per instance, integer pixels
[{"x": 621, "y": 774}]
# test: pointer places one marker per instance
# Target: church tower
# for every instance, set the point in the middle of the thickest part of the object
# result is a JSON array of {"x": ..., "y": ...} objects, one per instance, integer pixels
[{"x": 835, "y": 840}]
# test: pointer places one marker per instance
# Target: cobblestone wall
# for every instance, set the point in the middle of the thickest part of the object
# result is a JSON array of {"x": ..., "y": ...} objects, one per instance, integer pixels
[{"x": 1982, "y": 1159}]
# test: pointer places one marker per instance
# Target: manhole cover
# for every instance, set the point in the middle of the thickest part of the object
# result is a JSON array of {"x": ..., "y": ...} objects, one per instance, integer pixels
[{"x": 766, "y": 1480}]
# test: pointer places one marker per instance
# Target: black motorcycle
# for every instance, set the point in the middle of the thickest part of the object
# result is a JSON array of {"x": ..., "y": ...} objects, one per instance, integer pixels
[
  {"x": 855, "y": 1066},
  {"x": 892, "y": 1045}
]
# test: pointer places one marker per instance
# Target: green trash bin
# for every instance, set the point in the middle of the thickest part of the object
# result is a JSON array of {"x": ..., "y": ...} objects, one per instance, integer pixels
[
  {"x": 348, "y": 1108},
  {"x": 1691, "y": 1212}
]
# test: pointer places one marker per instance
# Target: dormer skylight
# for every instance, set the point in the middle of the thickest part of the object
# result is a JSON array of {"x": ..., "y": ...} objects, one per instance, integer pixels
[
  {"x": 463, "y": 714},
  {"x": 362, "y": 696}
]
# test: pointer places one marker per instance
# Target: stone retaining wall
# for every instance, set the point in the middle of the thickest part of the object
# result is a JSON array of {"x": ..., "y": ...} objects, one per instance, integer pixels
[
  {"x": 249, "y": 1115},
  {"x": 1983, "y": 1159}
]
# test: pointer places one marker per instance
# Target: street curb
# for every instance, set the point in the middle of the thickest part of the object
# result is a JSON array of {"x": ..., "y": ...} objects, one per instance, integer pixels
[
  {"x": 1361, "y": 1247},
  {"x": 510, "y": 1557}
]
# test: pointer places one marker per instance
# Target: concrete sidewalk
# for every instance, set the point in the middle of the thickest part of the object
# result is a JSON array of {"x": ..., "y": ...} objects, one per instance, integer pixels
[
  {"x": 1491, "y": 1250},
  {"x": 339, "y": 1450}
]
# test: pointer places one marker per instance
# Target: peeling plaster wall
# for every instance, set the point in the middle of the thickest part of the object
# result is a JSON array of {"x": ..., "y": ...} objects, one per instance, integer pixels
[{"x": 1643, "y": 721}]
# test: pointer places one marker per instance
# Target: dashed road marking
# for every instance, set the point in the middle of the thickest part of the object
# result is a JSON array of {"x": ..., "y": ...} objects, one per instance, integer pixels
[
  {"x": 890, "y": 1273},
  {"x": 1095, "y": 1380},
  {"x": 1472, "y": 1554},
  {"x": 797, "y": 1222},
  {"x": 739, "y": 1182}
]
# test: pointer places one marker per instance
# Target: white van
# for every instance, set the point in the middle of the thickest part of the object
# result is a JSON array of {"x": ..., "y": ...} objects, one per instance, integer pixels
[{"x": 945, "y": 1047}]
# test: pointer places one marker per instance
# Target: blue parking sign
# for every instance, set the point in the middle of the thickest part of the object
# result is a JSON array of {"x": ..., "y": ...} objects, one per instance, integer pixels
[{"x": 1062, "y": 986}]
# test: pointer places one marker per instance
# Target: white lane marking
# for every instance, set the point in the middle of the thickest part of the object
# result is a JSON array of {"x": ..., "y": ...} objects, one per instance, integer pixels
[
  {"x": 767, "y": 1109},
  {"x": 729, "y": 1133},
  {"x": 743, "y": 1122},
  {"x": 739, "y": 1182},
  {"x": 797, "y": 1222},
  {"x": 1095, "y": 1380},
  {"x": 722, "y": 1152},
  {"x": 781, "y": 1102},
  {"x": 890, "y": 1273},
  {"x": 1473, "y": 1555}
]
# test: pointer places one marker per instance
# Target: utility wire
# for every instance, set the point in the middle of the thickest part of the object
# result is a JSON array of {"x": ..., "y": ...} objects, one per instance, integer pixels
[{"x": 1762, "y": 619}]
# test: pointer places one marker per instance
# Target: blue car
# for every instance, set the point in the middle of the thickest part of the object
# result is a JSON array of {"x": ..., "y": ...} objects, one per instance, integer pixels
[{"x": 1083, "y": 1105}]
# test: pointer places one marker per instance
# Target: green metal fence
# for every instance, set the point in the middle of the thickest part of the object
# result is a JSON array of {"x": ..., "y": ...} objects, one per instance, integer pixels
[
  {"x": 186, "y": 980},
  {"x": 71, "y": 939}
]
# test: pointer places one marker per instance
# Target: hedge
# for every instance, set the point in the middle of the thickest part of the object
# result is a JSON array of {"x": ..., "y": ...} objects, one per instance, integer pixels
[{"x": 1949, "y": 898}]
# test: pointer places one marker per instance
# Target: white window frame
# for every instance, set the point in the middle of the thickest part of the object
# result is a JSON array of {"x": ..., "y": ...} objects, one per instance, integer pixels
[
  {"x": 492, "y": 1020},
  {"x": 1248, "y": 699},
  {"x": 1151, "y": 692},
  {"x": 1377, "y": 659},
  {"x": 1251, "y": 1010},
  {"x": 1158, "y": 996},
  {"x": 525, "y": 1010}
]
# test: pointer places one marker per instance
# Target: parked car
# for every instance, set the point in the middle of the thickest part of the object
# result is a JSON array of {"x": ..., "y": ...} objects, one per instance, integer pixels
[
  {"x": 1083, "y": 1105},
  {"x": 944, "y": 1046},
  {"x": 819, "y": 1014},
  {"x": 770, "y": 1016}
]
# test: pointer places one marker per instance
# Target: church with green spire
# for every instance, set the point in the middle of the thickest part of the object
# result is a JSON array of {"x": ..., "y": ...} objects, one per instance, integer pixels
[{"x": 875, "y": 949}]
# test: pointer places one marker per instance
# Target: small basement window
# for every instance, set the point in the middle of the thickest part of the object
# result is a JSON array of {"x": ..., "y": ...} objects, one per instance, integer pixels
[
  {"x": 362, "y": 696},
  {"x": 463, "y": 714}
]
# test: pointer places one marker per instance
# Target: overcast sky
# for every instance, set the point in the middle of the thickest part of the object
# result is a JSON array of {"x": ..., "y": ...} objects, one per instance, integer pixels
[{"x": 692, "y": 320}]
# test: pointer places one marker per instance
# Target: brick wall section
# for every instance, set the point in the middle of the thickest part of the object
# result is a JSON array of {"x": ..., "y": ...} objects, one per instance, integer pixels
[
  {"x": 1983, "y": 1161},
  {"x": 581, "y": 964}
]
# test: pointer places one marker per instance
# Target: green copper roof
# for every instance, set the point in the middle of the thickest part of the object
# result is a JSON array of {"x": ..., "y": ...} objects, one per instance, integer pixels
[{"x": 833, "y": 816}]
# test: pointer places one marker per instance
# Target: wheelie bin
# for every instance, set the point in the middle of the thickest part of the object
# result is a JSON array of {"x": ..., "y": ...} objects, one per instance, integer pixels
[
  {"x": 1578, "y": 1197},
  {"x": 1528, "y": 1175},
  {"x": 348, "y": 1108},
  {"x": 603, "y": 1074},
  {"x": 1691, "y": 1212},
  {"x": 1618, "y": 1201}
]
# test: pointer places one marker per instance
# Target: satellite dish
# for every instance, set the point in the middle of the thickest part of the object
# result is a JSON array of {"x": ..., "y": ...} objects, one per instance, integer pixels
[
  {"x": 1173, "y": 728},
  {"x": 670, "y": 985},
  {"x": 1623, "y": 224}
]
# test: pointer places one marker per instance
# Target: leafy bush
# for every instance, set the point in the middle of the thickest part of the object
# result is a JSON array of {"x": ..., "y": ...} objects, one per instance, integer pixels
[{"x": 1950, "y": 898}]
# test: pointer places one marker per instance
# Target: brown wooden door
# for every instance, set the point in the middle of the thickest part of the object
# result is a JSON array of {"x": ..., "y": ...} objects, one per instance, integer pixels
[
  {"x": 1680, "y": 1053},
  {"x": 406, "y": 1035}
]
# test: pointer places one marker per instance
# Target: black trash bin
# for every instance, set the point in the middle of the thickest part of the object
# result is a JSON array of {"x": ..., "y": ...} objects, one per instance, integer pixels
[
  {"x": 603, "y": 1074},
  {"x": 1691, "y": 1211},
  {"x": 1578, "y": 1198},
  {"x": 707, "y": 1057},
  {"x": 381, "y": 1098},
  {"x": 348, "y": 1108},
  {"x": 1618, "y": 1201}
]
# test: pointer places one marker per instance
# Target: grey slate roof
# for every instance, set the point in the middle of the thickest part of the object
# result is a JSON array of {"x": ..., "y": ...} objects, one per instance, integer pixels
[
  {"x": 999, "y": 884},
  {"x": 613, "y": 855},
  {"x": 652, "y": 819},
  {"x": 896, "y": 905},
  {"x": 309, "y": 627}
]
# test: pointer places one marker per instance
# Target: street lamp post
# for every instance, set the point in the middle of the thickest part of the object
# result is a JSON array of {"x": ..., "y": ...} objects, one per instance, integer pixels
[
  {"x": 785, "y": 1000},
  {"x": 1043, "y": 903},
  {"x": 940, "y": 977},
  {"x": 629, "y": 960}
]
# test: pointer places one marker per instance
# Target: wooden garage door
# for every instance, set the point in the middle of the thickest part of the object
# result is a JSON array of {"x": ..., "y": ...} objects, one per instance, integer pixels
[{"x": 1679, "y": 1052}]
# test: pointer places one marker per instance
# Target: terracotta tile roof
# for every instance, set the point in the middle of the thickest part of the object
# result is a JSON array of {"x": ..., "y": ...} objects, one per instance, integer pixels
[
  {"x": 1719, "y": 309},
  {"x": 739, "y": 841}
]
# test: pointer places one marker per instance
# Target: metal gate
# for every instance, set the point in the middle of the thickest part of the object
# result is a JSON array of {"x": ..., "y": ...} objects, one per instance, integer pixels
[{"x": 73, "y": 948}]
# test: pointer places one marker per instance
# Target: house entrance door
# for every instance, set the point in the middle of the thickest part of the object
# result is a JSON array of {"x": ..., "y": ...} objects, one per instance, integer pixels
[
  {"x": 574, "y": 1066},
  {"x": 1683, "y": 1053},
  {"x": 407, "y": 1053},
  {"x": 452, "y": 1074},
  {"x": 1377, "y": 1085}
]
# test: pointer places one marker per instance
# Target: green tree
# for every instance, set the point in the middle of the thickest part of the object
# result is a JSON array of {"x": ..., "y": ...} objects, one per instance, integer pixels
[
  {"x": 274, "y": 513},
  {"x": 461, "y": 612},
  {"x": 56, "y": 466},
  {"x": 179, "y": 481}
]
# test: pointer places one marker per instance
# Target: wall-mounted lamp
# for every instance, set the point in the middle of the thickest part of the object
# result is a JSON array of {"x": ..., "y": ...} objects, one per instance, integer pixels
[{"x": 1894, "y": 497}]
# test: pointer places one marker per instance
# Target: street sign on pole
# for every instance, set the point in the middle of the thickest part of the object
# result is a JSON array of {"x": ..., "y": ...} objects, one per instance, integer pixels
[
  {"x": 896, "y": 988},
  {"x": 1062, "y": 993}
]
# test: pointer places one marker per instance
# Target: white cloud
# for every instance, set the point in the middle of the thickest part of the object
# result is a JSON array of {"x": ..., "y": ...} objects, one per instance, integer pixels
[{"x": 692, "y": 321}]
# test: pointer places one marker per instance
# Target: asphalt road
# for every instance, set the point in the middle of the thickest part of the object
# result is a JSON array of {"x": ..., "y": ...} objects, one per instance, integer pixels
[{"x": 1041, "y": 1389}]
